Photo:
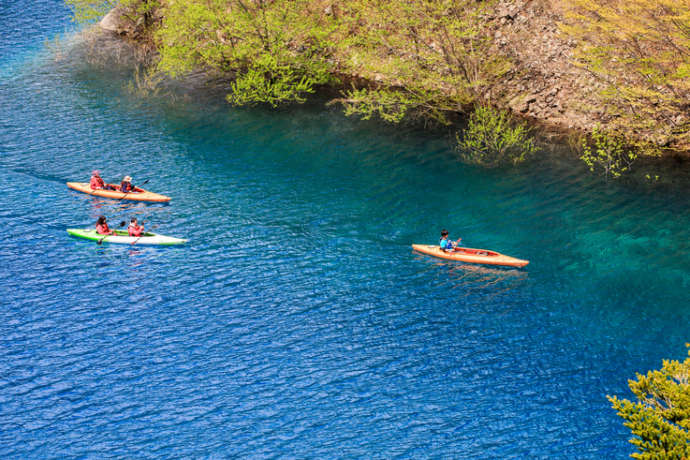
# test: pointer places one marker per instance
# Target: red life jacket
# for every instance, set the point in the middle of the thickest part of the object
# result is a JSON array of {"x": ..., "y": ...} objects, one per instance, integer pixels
[
  {"x": 102, "y": 229},
  {"x": 96, "y": 183},
  {"x": 134, "y": 230}
]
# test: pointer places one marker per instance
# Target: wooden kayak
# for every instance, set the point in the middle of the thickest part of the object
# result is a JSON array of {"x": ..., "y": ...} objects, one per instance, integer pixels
[
  {"x": 123, "y": 237},
  {"x": 139, "y": 194},
  {"x": 470, "y": 255}
]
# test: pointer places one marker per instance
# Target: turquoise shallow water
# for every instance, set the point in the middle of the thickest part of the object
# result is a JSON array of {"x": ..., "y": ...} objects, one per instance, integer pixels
[{"x": 298, "y": 322}]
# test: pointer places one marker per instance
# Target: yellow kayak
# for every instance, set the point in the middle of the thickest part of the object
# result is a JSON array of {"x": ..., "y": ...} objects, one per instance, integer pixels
[
  {"x": 139, "y": 194},
  {"x": 471, "y": 255}
]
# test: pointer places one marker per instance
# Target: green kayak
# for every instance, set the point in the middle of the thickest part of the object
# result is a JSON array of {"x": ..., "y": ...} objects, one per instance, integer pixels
[{"x": 122, "y": 237}]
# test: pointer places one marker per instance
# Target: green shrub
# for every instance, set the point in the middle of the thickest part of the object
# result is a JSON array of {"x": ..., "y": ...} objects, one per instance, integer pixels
[
  {"x": 607, "y": 154},
  {"x": 492, "y": 139},
  {"x": 85, "y": 11}
]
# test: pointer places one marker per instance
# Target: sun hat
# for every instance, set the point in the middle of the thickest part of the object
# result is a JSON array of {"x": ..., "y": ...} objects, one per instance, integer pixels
[{"x": 127, "y": 179}]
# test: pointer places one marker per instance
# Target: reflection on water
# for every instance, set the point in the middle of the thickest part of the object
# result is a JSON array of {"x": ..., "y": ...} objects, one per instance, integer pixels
[
  {"x": 470, "y": 279},
  {"x": 117, "y": 211}
]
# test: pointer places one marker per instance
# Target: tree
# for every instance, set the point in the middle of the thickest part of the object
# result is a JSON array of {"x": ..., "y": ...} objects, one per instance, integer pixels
[
  {"x": 640, "y": 50},
  {"x": 428, "y": 58},
  {"x": 277, "y": 50},
  {"x": 660, "y": 418}
]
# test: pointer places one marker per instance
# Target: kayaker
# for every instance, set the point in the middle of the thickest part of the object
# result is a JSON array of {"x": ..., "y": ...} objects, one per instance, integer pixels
[
  {"x": 126, "y": 185},
  {"x": 134, "y": 228},
  {"x": 446, "y": 244},
  {"x": 97, "y": 182},
  {"x": 102, "y": 227}
]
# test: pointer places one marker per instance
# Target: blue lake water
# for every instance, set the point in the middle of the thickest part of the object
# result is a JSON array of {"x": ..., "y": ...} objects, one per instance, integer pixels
[{"x": 297, "y": 322}]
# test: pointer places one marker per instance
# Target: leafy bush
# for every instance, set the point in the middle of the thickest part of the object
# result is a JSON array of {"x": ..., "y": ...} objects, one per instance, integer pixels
[
  {"x": 660, "y": 418},
  {"x": 607, "y": 153},
  {"x": 492, "y": 139},
  {"x": 391, "y": 105}
]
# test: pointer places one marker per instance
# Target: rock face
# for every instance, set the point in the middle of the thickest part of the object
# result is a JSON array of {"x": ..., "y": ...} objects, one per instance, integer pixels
[{"x": 544, "y": 83}]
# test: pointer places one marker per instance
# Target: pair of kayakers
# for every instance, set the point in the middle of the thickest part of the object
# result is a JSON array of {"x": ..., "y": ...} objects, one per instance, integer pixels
[
  {"x": 134, "y": 228},
  {"x": 97, "y": 183},
  {"x": 446, "y": 243}
]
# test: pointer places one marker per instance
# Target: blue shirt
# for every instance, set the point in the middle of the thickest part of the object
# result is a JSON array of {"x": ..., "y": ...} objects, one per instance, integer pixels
[{"x": 446, "y": 243}]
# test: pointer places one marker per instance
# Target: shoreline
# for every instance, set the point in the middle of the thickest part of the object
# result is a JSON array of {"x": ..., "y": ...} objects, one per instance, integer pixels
[{"x": 544, "y": 88}]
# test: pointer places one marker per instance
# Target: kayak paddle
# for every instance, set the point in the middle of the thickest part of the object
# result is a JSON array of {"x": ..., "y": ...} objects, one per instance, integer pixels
[{"x": 127, "y": 193}]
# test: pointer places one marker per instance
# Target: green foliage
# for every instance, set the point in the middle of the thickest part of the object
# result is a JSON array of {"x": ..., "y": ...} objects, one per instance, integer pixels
[
  {"x": 436, "y": 55},
  {"x": 660, "y": 418},
  {"x": 85, "y": 11},
  {"x": 138, "y": 12},
  {"x": 491, "y": 139},
  {"x": 391, "y": 105},
  {"x": 422, "y": 58},
  {"x": 277, "y": 51},
  {"x": 608, "y": 154},
  {"x": 640, "y": 51},
  {"x": 256, "y": 85}
]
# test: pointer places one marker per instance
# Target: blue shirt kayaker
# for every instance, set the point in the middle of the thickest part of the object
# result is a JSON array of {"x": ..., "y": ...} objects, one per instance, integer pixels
[{"x": 446, "y": 244}]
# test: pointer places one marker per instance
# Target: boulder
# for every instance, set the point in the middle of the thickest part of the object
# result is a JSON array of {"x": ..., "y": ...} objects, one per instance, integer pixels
[{"x": 115, "y": 22}]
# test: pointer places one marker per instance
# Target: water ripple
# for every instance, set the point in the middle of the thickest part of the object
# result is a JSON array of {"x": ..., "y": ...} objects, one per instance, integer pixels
[{"x": 298, "y": 322}]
